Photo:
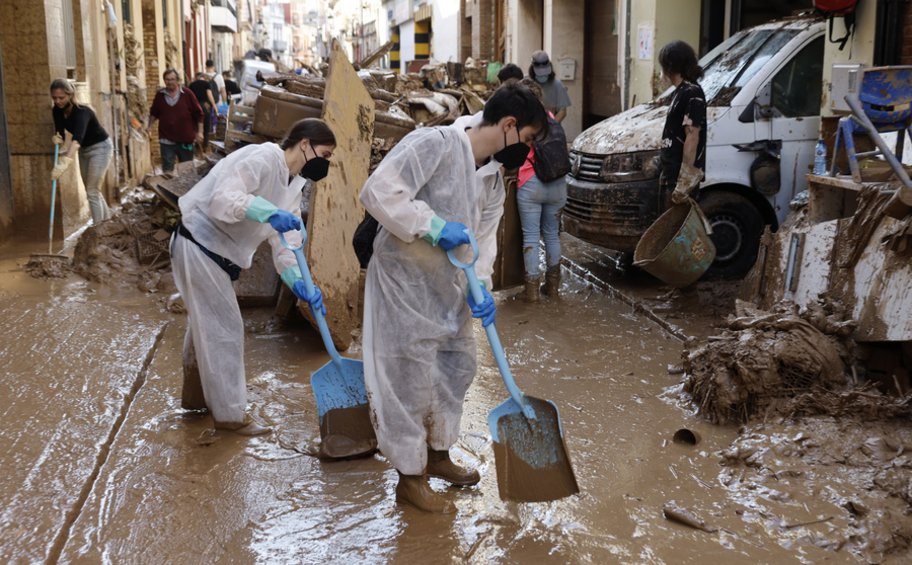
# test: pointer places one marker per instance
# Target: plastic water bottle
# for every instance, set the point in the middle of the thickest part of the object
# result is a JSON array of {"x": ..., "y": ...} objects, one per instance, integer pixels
[{"x": 820, "y": 156}]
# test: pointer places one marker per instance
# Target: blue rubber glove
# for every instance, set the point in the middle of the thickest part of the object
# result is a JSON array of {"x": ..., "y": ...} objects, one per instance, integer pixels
[
  {"x": 452, "y": 235},
  {"x": 283, "y": 221},
  {"x": 315, "y": 300},
  {"x": 486, "y": 310}
]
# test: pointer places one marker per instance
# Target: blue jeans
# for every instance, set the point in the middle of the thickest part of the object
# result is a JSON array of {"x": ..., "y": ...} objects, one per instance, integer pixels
[
  {"x": 170, "y": 151},
  {"x": 93, "y": 164},
  {"x": 540, "y": 204}
]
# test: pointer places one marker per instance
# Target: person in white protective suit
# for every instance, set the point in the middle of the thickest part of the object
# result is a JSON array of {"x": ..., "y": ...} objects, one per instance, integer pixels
[
  {"x": 243, "y": 201},
  {"x": 419, "y": 349}
]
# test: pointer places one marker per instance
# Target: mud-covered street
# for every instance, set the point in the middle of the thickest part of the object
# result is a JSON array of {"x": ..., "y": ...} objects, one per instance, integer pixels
[{"x": 101, "y": 465}]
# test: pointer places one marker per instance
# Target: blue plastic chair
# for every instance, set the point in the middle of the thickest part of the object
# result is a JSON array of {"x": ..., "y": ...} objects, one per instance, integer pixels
[{"x": 883, "y": 104}]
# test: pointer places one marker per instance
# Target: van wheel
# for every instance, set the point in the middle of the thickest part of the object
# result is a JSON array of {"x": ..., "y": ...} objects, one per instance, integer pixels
[{"x": 737, "y": 227}]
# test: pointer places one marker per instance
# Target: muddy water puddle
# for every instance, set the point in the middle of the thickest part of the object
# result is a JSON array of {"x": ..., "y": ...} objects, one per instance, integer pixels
[{"x": 169, "y": 488}]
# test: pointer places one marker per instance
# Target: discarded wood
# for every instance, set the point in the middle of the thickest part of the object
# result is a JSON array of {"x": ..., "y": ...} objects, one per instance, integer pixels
[
  {"x": 675, "y": 513},
  {"x": 809, "y": 523},
  {"x": 335, "y": 209},
  {"x": 376, "y": 55}
]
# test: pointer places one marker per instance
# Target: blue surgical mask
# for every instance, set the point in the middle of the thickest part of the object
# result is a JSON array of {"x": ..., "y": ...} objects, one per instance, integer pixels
[{"x": 542, "y": 79}]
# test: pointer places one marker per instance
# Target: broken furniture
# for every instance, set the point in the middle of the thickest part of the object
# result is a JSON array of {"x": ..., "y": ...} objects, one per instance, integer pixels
[{"x": 882, "y": 104}]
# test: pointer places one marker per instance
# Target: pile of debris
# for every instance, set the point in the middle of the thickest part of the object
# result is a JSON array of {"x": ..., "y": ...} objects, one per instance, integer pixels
[{"x": 763, "y": 357}]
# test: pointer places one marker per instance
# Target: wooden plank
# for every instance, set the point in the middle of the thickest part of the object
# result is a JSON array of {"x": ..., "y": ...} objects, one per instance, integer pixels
[{"x": 335, "y": 210}]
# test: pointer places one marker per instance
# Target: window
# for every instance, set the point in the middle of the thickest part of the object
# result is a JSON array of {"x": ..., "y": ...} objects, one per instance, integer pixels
[{"x": 797, "y": 87}]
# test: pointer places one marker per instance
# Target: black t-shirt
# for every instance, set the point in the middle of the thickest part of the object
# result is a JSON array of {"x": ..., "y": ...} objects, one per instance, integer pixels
[
  {"x": 687, "y": 102},
  {"x": 199, "y": 88},
  {"x": 231, "y": 87},
  {"x": 82, "y": 123}
]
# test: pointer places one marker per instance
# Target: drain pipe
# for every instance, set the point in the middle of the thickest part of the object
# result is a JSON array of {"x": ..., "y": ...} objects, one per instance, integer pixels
[{"x": 625, "y": 104}]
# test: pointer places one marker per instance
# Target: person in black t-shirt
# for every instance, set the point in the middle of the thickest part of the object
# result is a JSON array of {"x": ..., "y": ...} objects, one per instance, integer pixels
[
  {"x": 202, "y": 88},
  {"x": 89, "y": 140},
  {"x": 231, "y": 87},
  {"x": 683, "y": 146}
]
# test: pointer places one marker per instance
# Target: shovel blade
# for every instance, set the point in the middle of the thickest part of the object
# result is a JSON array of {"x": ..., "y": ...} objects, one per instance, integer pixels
[
  {"x": 345, "y": 425},
  {"x": 531, "y": 459}
]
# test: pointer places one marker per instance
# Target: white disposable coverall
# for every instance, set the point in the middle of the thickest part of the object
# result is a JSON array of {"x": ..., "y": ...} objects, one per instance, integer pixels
[
  {"x": 419, "y": 350},
  {"x": 214, "y": 212}
]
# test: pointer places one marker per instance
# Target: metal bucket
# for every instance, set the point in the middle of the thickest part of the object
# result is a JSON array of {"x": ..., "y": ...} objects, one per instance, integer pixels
[{"x": 676, "y": 248}]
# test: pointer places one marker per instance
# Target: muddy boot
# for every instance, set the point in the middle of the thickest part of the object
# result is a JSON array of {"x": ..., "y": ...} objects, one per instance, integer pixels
[
  {"x": 246, "y": 428},
  {"x": 530, "y": 292},
  {"x": 192, "y": 392},
  {"x": 441, "y": 466},
  {"x": 415, "y": 490},
  {"x": 551, "y": 288}
]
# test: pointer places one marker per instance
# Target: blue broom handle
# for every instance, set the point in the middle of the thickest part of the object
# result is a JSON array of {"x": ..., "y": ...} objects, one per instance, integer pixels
[
  {"x": 53, "y": 202},
  {"x": 309, "y": 285},
  {"x": 496, "y": 347}
]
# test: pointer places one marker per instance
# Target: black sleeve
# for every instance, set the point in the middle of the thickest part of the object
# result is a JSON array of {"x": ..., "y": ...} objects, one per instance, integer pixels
[
  {"x": 80, "y": 118},
  {"x": 58, "y": 121},
  {"x": 696, "y": 108}
]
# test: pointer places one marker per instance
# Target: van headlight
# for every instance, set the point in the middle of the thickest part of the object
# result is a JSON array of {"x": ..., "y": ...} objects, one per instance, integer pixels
[{"x": 627, "y": 167}]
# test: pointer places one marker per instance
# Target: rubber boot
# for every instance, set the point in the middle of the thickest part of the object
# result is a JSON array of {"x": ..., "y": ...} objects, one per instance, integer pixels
[
  {"x": 551, "y": 288},
  {"x": 192, "y": 392},
  {"x": 415, "y": 490},
  {"x": 441, "y": 466},
  {"x": 530, "y": 292},
  {"x": 246, "y": 428}
]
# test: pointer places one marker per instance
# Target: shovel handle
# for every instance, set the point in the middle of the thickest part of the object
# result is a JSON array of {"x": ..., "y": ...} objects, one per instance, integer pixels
[
  {"x": 478, "y": 296},
  {"x": 309, "y": 285}
]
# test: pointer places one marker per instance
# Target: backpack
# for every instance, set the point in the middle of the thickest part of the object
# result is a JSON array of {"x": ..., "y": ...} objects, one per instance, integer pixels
[
  {"x": 844, "y": 9},
  {"x": 363, "y": 239},
  {"x": 552, "y": 160}
]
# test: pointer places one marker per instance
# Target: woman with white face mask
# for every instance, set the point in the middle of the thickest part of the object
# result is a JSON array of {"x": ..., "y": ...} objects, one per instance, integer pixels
[
  {"x": 555, "y": 97},
  {"x": 243, "y": 201}
]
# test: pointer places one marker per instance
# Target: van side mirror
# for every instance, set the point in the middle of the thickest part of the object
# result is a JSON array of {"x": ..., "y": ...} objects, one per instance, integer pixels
[{"x": 763, "y": 103}]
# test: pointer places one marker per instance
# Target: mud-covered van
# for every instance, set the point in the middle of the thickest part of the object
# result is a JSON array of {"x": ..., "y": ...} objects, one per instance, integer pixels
[{"x": 763, "y": 90}]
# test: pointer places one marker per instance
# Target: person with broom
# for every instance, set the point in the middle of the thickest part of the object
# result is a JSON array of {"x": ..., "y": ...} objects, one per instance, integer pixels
[
  {"x": 419, "y": 347},
  {"x": 89, "y": 141},
  {"x": 243, "y": 201}
]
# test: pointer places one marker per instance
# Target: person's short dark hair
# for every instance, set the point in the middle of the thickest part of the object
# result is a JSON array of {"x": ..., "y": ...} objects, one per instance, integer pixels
[
  {"x": 509, "y": 71},
  {"x": 200, "y": 75},
  {"x": 210, "y": 63},
  {"x": 679, "y": 58},
  {"x": 226, "y": 74},
  {"x": 170, "y": 72},
  {"x": 514, "y": 99},
  {"x": 313, "y": 129}
]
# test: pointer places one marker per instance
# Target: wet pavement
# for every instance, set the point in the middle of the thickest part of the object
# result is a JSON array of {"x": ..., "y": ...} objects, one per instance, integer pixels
[{"x": 101, "y": 465}]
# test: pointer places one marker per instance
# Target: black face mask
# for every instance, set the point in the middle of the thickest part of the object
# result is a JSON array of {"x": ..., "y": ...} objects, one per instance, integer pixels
[
  {"x": 315, "y": 169},
  {"x": 512, "y": 156}
]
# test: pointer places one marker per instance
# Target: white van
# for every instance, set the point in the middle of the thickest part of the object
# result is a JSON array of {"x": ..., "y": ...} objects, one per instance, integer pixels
[
  {"x": 246, "y": 70},
  {"x": 763, "y": 90}
]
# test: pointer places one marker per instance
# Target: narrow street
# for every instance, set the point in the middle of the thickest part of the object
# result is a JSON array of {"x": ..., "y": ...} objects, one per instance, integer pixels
[{"x": 103, "y": 466}]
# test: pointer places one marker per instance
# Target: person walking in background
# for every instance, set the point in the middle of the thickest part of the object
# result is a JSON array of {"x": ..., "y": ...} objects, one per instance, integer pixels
[
  {"x": 243, "y": 201},
  {"x": 541, "y": 193},
  {"x": 202, "y": 88},
  {"x": 219, "y": 82},
  {"x": 419, "y": 345},
  {"x": 231, "y": 87},
  {"x": 683, "y": 145},
  {"x": 510, "y": 71},
  {"x": 89, "y": 140},
  {"x": 180, "y": 120},
  {"x": 554, "y": 92}
]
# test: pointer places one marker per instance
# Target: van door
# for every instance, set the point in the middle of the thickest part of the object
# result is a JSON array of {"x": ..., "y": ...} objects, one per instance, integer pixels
[{"x": 795, "y": 96}]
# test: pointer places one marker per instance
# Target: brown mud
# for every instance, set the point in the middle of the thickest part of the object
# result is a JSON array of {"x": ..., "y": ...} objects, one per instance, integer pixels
[
  {"x": 101, "y": 464},
  {"x": 347, "y": 432}
]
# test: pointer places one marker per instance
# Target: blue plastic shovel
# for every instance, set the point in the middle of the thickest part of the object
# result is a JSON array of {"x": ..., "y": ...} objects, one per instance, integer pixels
[
  {"x": 529, "y": 451},
  {"x": 338, "y": 387}
]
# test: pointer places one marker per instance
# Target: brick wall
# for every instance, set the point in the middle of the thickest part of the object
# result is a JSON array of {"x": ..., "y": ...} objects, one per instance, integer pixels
[
  {"x": 906, "y": 57},
  {"x": 483, "y": 35},
  {"x": 153, "y": 70}
]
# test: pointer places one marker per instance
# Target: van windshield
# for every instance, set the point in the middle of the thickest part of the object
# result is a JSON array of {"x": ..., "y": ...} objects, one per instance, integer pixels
[{"x": 735, "y": 61}]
